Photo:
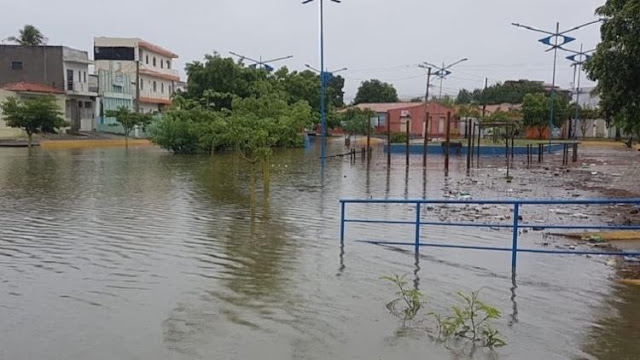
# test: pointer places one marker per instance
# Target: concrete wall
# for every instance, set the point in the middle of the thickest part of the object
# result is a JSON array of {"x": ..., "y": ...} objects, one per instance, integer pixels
[{"x": 40, "y": 64}]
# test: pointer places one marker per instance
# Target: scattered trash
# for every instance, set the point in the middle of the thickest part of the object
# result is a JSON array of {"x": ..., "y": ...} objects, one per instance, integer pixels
[
  {"x": 611, "y": 262},
  {"x": 594, "y": 239},
  {"x": 594, "y": 173},
  {"x": 580, "y": 216},
  {"x": 559, "y": 211},
  {"x": 538, "y": 228},
  {"x": 616, "y": 174},
  {"x": 545, "y": 244}
]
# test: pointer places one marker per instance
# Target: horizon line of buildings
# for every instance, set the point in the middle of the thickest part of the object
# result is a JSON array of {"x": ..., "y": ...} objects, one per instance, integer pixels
[{"x": 128, "y": 72}]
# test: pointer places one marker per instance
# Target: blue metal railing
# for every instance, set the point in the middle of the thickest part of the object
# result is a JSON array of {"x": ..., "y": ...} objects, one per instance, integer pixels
[{"x": 515, "y": 225}]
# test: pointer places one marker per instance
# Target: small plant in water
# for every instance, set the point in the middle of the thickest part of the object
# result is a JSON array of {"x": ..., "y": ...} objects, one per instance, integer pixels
[
  {"x": 471, "y": 320},
  {"x": 409, "y": 301}
]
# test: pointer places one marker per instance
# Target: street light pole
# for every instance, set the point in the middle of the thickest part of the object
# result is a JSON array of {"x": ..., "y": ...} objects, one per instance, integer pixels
[
  {"x": 323, "y": 124},
  {"x": 553, "y": 86},
  {"x": 263, "y": 64},
  {"x": 442, "y": 73},
  {"x": 578, "y": 58},
  {"x": 555, "y": 40}
]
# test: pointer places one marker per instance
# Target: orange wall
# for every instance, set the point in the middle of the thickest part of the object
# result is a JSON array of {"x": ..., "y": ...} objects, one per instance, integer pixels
[{"x": 416, "y": 115}]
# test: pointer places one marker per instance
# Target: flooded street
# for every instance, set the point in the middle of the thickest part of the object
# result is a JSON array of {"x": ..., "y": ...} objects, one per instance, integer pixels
[{"x": 140, "y": 254}]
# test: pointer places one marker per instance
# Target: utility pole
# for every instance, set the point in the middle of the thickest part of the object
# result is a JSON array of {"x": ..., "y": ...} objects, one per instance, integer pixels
[
  {"x": 323, "y": 115},
  {"x": 555, "y": 40},
  {"x": 426, "y": 116},
  {"x": 484, "y": 103},
  {"x": 138, "y": 81}
]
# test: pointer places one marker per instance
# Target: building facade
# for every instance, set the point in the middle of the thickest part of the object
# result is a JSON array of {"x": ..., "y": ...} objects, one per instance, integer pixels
[
  {"x": 412, "y": 115},
  {"x": 149, "y": 67},
  {"x": 58, "y": 67},
  {"x": 24, "y": 91}
]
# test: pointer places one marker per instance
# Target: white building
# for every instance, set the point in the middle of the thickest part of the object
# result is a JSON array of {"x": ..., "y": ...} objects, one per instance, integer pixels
[
  {"x": 80, "y": 102},
  {"x": 157, "y": 75}
]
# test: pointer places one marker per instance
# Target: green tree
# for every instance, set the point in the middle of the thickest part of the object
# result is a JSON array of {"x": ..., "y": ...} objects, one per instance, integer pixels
[
  {"x": 536, "y": 110},
  {"x": 129, "y": 120},
  {"x": 511, "y": 92},
  {"x": 356, "y": 121},
  {"x": 615, "y": 64},
  {"x": 464, "y": 97},
  {"x": 29, "y": 35},
  {"x": 32, "y": 114},
  {"x": 376, "y": 91}
]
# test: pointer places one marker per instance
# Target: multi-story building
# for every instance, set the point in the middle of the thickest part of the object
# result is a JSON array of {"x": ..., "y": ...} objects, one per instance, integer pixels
[
  {"x": 135, "y": 58},
  {"x": 58, "y": 67}
]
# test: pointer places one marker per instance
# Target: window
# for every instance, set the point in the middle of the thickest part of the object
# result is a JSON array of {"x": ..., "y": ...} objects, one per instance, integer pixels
[
  {"x": 16, "y": 65},
  {"x": 139, "y": 54},
  {"x": 85, "y": 76},
  {"x": 154, "y": 61},
  {"x": 69, "y": 79},
  {"x": 146, "y": 59},
  {"x": 168, "y": 64},
  {"x": 161, "y": 64},
  {"x": 87, "y": 104},
  {"x": 162, "y": 88},
  {"x": 80, "y": 104},
  {"x": 155, "y": 89},
  {"x": 141, "y": 84}
]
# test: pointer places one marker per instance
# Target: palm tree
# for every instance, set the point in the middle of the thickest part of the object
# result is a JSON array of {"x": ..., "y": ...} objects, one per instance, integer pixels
[{"x": 29, "y": 36}]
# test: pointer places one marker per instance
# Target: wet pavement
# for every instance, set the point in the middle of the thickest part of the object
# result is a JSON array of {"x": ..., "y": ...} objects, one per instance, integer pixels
[{"x": 139, "y": 254}]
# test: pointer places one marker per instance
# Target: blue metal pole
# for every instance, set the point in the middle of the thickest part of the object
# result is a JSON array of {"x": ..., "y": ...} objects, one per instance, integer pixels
[
  {"x": 342, "y": 213},
  {"x": 514, "y": 245},
  {"x": 322, "y": 85},
  {"x": 553, "y": 85},
  {"x": 418, "y": 208}
]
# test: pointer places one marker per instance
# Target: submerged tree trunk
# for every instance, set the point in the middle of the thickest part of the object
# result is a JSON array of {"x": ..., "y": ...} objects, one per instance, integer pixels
[{"x": 266, "y": 174}]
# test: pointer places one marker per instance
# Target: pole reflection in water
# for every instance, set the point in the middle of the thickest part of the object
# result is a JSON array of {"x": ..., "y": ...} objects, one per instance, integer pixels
[
  {"x": 514, "y": 313},
  {"x": 416, "y": 271}
]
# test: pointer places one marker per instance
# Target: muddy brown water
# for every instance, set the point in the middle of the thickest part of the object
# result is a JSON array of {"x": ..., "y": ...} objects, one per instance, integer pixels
[{"x": 140, "y": 254}]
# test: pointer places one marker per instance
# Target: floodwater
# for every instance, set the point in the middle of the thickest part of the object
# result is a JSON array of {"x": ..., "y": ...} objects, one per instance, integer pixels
[{"x": 140, "y": 254}]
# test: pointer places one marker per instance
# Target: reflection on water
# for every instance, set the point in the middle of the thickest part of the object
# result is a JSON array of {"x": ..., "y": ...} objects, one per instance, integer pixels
[
  {"x": 115, "y": 254},
  {"x": 616, "y": 332}
]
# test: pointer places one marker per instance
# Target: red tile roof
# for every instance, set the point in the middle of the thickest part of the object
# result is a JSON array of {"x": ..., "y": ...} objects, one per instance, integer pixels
[
  {"x": 32, "y": 87},
  {"x": 157, "y": 49},
  {"x": 384, "y": 107},
  {"x": 159, "y": 75},
  {"x": 149, "y": 100}
]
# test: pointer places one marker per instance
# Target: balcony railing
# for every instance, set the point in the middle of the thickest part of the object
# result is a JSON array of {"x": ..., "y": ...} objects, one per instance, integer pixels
[{"x": 77, "y": 87}]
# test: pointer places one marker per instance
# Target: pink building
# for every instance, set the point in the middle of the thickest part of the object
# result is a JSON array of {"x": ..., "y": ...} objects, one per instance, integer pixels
[{"x": 412, "y": 114}]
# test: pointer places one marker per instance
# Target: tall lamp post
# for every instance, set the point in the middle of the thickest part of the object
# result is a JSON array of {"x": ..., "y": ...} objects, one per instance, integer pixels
[
  {"x": 323, "y": 124},
  {"x": 555, "y": 40},
  {"x": 262, "y": 64},
  {"x": 578, "y": 58},
  {"x": 441, "y": 72}
]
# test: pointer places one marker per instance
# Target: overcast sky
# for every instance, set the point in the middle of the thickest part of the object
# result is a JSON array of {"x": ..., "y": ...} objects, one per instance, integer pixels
[{"x": 381, "y": 39}]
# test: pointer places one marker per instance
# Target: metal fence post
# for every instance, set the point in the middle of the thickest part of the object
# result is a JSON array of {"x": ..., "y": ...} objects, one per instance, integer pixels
[
  {"x": 514, "y": 245},
  {"x": 342, "y": 204},
  {"x": 417, "y": 245}
]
